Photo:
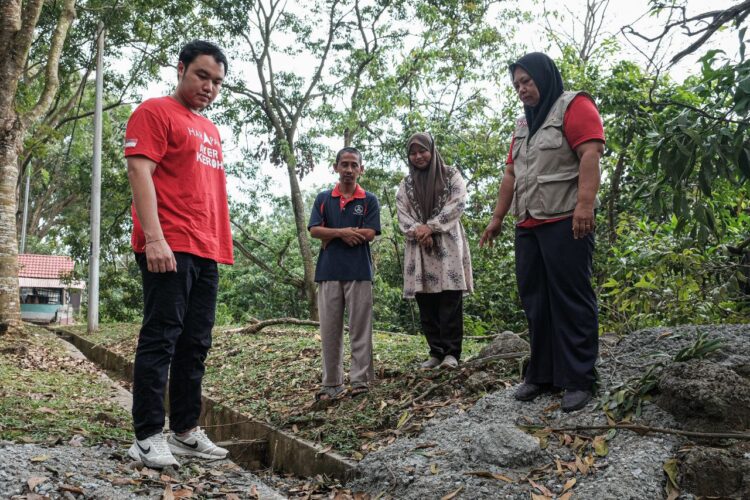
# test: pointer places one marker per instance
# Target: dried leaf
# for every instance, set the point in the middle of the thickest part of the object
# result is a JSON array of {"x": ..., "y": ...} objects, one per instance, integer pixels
[
  {"x": 670, "y": 467},
  {"x": 558, "y": 466},
  {"x": 547, "y": 493},
  {"x": 167, "y": 494},
  {"x": 254, "y": 493},
  {"x": 383, "y": 404},
  {"x": 452, "y": 495},
  {"x": 39, "y": 458},
  {"x": 165, "y": 478},
  {"x": 325, "y": 450},
  {"x": 295, "y": 429},
  {"x": 581, "y": 466},
  {"x": 183, "y": 493},
  {"x": 569, "y": 484},
  {"x": 434, "y": 468},
  {"x": 425, "y": 445},
  {"x": 357, "y": 456},
  {"x": 70, "y": 488},
  {"x": 33, "y": 482},
  {"x": 534, "y": 496},
  {"x": 405, "y": 416},
  {"x": 489, "y": 475},
  {"x": 566, "y": 496},
  {"x": 44, "y": 409},
  {"x": 123, "y": 481},
  {"x": 76, "y": 440}
]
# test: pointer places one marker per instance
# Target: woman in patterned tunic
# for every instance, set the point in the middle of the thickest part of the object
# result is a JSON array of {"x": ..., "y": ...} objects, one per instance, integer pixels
[{"x": 437, "y": 262}]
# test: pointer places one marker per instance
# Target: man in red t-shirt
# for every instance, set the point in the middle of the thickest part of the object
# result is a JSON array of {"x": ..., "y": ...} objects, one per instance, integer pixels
[{"x": 180, "y": 233}]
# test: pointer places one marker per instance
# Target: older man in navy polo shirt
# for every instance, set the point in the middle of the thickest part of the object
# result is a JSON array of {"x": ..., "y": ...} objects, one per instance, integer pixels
[{"x": 346, "y": 219}]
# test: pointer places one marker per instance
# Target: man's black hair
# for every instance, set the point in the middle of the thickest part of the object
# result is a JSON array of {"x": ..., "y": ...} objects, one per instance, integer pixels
[
  {"x": 201, "y": 47},
  {"x": 349, "y": 149}
]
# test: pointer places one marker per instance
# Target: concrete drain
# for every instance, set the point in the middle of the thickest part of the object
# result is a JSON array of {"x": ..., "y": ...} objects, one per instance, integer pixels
[{"x": 251, "y": 444}]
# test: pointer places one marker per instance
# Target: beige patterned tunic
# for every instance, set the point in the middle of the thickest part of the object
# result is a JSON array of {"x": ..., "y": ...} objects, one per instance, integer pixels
[{"x": 448, "y": 265}]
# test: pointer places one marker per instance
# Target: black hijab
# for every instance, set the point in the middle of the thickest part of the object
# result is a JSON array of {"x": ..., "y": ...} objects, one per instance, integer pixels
[{"x": 547, "y": 79}]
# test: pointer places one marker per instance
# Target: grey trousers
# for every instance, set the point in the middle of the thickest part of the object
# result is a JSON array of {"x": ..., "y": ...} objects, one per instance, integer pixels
[{"x": 356, "y": 296}]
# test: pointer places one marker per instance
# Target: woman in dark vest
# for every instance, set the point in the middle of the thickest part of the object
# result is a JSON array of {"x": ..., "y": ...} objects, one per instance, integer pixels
[{"x": 550, "y": 184}]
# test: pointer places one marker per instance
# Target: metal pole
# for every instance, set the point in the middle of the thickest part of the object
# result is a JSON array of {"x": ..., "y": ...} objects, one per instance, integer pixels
[
  {"x": 25, "y": 209},
  {"x": 96, "y": 189}
]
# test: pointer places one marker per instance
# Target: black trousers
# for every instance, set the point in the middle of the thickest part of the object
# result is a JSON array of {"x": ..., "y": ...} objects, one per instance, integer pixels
[
  {"x": 442, "y": 318},
  {"x": 554, "y": 281},
  {"x": 178, "y": 315}
]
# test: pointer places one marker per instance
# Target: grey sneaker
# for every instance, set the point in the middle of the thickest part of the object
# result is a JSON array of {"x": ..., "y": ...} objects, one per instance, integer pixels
[
  {"x": 196, "y": 444},
  {"x": 431, "y": 363},
  {"x": 449, "y": 362},
  {"x": 153, "y": 452}
]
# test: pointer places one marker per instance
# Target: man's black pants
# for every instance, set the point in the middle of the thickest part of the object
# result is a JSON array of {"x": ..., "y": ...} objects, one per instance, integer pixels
[
  {"x": 442, "y": 318},
  {"x": 178, "y": 315},
  {"x": 554, "y": 282}
]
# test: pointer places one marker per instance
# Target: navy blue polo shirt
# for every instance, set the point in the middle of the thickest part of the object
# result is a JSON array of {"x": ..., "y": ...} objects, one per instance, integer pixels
[{"x": 338, "y": 261}]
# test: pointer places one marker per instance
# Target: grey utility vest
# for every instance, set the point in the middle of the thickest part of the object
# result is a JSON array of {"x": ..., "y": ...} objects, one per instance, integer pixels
[{"x": 546, "y": 168}]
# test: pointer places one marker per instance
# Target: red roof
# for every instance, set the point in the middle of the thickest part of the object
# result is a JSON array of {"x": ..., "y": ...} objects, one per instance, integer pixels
[{"x": 44, "y": 266}]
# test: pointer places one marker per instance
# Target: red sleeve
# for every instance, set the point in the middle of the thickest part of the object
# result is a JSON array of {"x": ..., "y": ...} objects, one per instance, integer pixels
[
  {"x": 146, "y": 134},
  {"x": 582, "y": 122},
  {"x": 509, "y": 161}
]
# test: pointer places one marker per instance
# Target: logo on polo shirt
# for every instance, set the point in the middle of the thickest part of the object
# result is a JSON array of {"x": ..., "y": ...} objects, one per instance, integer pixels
[{"x": 359, "y": 209}]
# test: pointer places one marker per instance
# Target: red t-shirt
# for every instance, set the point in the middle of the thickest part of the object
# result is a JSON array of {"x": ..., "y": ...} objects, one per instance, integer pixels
[
  {"x": 190, "y": 182},
  {"x": 581, "y": 123}
]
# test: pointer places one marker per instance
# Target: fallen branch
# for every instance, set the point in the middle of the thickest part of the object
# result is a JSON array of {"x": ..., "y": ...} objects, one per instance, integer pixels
[
  {"x": 468, "y": 364},
  {"x": 643, "y": 429},
  {"x": 256, "y": 327},
  {"x": 487, "y": 359}
]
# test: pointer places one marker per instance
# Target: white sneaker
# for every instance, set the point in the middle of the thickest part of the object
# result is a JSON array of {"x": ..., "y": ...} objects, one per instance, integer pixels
[
  {"x": 153, "y": 452},
  {"x": 196, "y": 444},
  {"x": 449, "y": 362},
  {"x": 430, "y": 363}
]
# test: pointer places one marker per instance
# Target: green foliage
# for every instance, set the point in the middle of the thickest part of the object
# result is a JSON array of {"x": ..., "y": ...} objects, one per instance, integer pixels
[
  {"x": 654, "y": 276},
  {"x": 701, "y": 348}
]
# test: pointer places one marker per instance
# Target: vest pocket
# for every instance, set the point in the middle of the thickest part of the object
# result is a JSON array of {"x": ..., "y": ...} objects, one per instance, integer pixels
[
  {"x": 558, "y": 192},
  {"x": 550, "y": 137}
]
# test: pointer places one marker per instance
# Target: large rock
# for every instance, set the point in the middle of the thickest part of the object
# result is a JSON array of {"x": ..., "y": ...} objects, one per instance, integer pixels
[
  {"x": 503, "y": 445},
  {"x": 505, "y": 343},
  {"x": 705, "y": 396},
  {"x": 715, "y": 472}
]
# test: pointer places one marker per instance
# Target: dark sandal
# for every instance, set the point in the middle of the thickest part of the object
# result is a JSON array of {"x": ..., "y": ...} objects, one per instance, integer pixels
[
  {"x": 330, "y": 393},
  {"x": 359, "y": 390}
]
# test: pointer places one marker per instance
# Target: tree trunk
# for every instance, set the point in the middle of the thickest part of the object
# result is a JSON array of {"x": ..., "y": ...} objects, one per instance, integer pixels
[
  {"x": 11, "y": 136},
  {"x": 614, "y": 191},
  {"x": 300, "y": 221},
  {"x": 18, "y": 21}
]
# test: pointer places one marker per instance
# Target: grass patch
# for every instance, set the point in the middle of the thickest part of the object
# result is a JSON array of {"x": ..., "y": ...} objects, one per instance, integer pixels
[
  {"x": 273, "y": 375},
  {"x": 46, "y": 396}
]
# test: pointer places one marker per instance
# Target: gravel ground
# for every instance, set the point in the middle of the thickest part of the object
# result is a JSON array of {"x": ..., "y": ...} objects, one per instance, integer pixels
[
  {"x": 482, "y": 453},
  {"x": 460, "y": 452},
  {"x": 106, "y": 472}
]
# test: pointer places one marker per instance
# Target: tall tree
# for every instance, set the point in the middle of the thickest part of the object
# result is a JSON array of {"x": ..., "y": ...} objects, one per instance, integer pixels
[
  {"x": 277, "y": 102},
  {"x": 17, "y": 30}
]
